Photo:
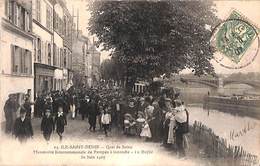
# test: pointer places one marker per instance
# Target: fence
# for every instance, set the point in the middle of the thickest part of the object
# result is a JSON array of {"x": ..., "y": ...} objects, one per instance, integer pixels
[{"x": 218, "y": 150}]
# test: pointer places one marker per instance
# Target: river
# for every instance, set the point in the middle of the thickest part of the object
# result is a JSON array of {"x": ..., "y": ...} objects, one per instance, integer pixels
[{"x": 246, "y": 130}]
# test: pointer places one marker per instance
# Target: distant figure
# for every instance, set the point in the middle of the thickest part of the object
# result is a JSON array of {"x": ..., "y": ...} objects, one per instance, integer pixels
[
  {"x": 84, "y": 107},
  {"x": 105, "y": 119},
  {"x": 27, "y": 105},
  {"x": 92, "y": 117},
  {"x": 72, "y": 102},
  {"x": 47, "y": 125},
  {"x": 10, "y": 109},
  {"x": 23, "y": 127},
  {"x": 60, "y": 122}
]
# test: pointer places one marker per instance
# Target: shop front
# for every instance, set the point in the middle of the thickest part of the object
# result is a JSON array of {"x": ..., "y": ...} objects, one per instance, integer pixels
[
  {"x": 58, "y": 78},
  {"x": 44, "y": 78}
]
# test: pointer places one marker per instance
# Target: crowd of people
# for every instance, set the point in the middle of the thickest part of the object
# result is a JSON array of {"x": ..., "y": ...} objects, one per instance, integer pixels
[{"x": 158, "y": 118}]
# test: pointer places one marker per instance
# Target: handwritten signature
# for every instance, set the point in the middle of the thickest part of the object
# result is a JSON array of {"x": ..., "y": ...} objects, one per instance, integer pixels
[{"x": 236, "y": 134}]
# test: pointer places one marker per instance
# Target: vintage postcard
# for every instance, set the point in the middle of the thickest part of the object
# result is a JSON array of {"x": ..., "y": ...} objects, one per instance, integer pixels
[{"x": 131, "y": 83}]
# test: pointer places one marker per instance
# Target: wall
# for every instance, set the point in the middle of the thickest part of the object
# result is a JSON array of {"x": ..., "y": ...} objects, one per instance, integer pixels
[
  {"x": 45, "y": 37},
  {"x": 8, "y": 82}
]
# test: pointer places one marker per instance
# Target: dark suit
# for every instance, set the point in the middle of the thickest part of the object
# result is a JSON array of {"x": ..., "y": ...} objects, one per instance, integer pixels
[
  {"x": 23, "y": 129},
  {"x": 47, "y": 126}
]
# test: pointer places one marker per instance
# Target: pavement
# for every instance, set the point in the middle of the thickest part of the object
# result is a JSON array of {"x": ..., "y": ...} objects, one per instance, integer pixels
[{"x": 77, "y": 133}]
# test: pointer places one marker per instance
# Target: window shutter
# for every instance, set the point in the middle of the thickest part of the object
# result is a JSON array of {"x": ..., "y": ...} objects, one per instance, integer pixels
[
  {"x": 30, "y": 62},
  {"x": 12, "y": 58},
  {"x": 15, "y": 9},
  {"x": 43, "y": 53},
  {"x": 46, "y": 53},
  {"x": 22, "y": 67},
  {"x": 35, "y": 50},
  {"x": 7, "y": 7}
]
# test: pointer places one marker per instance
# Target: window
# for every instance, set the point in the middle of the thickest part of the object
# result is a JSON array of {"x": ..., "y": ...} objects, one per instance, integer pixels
[
  {"x": 54, "y": 55},
  {"x": 49, "y": 17},
  {"x": 58, "y": 56},
  {"x": 38, "y": 10},
  {"x": 7, "y": 3},
  {"x": 39, "y": 50},
  {"x": 49, "y": 54},
  {"x": 56, "y": 22},
  {"x": 18, "y": 15},
  {"x": 65, "y": 59},
  {"x": 61, "y": 57},
  {"x": 28, "y": 62},
  {"x": 21, "y": 61},
  {"x": 61, "y": 27},
  {"x": 16, "y": 53},
  {"x": 64, "y": 26}
]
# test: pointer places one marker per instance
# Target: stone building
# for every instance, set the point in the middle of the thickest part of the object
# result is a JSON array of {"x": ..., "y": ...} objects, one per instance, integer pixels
[
  {"x": 86, "y": 61},
  {"x": 16, "y": 49},
  {"x": 52, "y": 26},
  {"x": 82, "y": 61},
  {"x": 95, "y": 68}
]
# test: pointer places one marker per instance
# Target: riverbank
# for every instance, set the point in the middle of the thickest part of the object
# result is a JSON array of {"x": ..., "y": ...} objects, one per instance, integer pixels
[
  {"x": 235, "y": 106},
  {"x": 240, "y": 131}
]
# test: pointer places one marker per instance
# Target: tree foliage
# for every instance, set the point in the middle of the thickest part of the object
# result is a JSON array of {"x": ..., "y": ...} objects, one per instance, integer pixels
[
  {"x": 111, "y": 69},
  {"x": 154, "y": 37}
]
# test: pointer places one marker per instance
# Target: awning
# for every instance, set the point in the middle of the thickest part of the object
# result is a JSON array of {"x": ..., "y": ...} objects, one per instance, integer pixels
[{"x": 58, "y": 74}]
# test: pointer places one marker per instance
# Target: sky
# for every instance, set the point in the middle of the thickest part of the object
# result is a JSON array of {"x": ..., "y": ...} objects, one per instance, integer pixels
[{"x": 250, "y": 9}]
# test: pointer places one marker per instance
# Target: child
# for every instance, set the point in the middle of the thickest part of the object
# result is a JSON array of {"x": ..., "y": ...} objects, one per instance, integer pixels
[
  {"x": 60, "y": 122},
  {"x": 47, "y": 125},
  {"x": 146, "y": 132},
  {"x": 139, "y": 122},
  {"x": 105, "y": 120}
]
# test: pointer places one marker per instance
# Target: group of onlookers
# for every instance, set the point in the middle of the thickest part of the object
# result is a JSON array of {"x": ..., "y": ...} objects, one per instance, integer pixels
[{"x": 158, "y": 118}]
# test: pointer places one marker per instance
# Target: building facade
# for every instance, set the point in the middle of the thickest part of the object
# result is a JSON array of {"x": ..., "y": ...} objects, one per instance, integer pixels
[
  {"x": 82, "y": 60},
  {"x": 16, "y": 49},
  {"x": 52, "y": 26},
  {"x": 95, "y": 57},
  {"x": 43, "y": 45}
]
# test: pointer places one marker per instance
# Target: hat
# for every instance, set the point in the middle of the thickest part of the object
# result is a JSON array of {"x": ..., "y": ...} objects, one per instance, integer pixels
[
  {"x": 22, "y": 110},
  {"x": 128, "y": 116},
  {"x": 178, "y": 102},
  {"x": 48, "y": 110},
  {"x": 167, "y": 100},
  {"x": 141, "y": 113},
  {"x": 131, "y": 100}
]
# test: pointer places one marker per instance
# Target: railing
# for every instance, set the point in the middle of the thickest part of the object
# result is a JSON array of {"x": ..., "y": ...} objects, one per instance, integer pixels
[{"x": 218, "y": 150}]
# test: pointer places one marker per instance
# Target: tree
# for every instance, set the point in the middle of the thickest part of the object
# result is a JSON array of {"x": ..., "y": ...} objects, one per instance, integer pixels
[
  {"x": 151, "y": 38},
  {"x": 110, "y": 69}
]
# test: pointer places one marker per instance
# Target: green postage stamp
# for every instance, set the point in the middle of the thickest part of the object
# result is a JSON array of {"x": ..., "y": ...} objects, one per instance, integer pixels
[{"x": 236, "y": 42}]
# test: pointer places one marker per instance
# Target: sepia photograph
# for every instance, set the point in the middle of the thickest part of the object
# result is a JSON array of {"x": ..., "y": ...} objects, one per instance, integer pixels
[{"x": 129, "y": 83}]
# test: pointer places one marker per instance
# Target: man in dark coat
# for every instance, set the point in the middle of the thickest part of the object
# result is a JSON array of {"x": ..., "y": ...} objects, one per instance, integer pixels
[
  {"x": 84, "y": 107},
  {"x": 10, "y": 108},
  {"x": 47, "y": 125},
  {"x": 27, "y": 105},
  {"x": 93, "y": 112},
  {"x": 23, "y": 127},
  {"x": 38, "y": 111}
]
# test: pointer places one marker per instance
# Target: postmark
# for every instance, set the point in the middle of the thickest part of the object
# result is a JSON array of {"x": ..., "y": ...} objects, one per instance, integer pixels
[{"x": 235, "y": 41}]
